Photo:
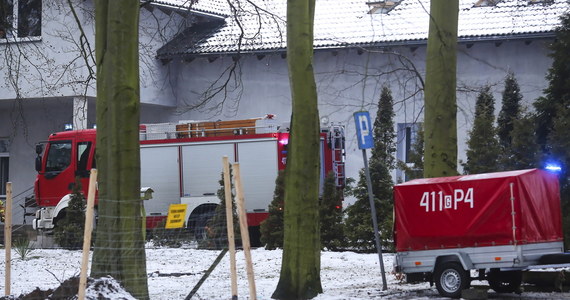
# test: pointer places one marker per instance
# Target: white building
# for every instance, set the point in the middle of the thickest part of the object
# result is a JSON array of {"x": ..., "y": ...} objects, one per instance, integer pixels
[{"x": 193, "y": 54}]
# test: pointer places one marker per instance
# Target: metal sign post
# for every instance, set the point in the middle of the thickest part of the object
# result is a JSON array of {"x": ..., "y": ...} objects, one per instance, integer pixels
[{"x": 366, "y": 141}]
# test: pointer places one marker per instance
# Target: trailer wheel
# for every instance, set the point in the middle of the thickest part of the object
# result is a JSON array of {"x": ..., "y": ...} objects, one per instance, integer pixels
[
  {"x": 450, "y": 279},
  {"x": 504, "y": 281}
]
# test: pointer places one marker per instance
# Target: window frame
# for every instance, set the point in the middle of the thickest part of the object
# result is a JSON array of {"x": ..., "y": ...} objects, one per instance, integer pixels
[
  {"x": 58, "y": 167},
  {"x": 83, "y": 150},
  {"x": 13, "y": 36},
  {"x": 406, "y": 136},
  {"x": 4, "y": 178}
]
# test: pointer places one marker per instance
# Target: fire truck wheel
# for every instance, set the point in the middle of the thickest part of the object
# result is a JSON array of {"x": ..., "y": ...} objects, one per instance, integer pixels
[
  {"x": 450, "y": 279},
  {"x": 201, "y": 225},
  {"x": 504, "y": 281},
  {"x": 60, "y": 217}
]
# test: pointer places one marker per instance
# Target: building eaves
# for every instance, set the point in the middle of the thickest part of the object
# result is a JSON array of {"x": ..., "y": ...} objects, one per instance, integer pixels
[
  {"x": 364, "y": 46},
  {"x": 189, "y": 38},
  {"x": 211, "y": 8}
]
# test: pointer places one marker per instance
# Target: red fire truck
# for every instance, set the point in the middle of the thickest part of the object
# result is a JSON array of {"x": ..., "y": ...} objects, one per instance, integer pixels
[{"x": 181, "y": 163}]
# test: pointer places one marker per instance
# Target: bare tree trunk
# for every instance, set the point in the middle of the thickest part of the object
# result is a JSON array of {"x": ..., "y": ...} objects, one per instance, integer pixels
[
  {"x": 119, "y": 246},
  {"x": 440, "y": 90},
  {"x": 300, "y": 269}
]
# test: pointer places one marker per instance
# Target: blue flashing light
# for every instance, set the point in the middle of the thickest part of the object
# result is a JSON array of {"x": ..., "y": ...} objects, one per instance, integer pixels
[
  {"x": 68, "y": 127},
  {"x": 553, "y": 168}
]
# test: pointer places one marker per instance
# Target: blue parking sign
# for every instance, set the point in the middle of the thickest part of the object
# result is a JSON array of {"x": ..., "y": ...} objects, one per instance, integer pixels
[{"x": 363, "y": 130}]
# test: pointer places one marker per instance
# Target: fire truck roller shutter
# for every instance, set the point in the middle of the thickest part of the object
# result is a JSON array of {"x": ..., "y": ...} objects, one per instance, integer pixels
[
  {"x": 258, "y": 167},
  {"x": 159, "y": 171},
  {"x": 201, "y": 173},
  {"x": 202, "y": 167}
]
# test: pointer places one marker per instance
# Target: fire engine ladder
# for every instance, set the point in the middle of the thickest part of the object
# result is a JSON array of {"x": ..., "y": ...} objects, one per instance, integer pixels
[{"x": 337, "y": 146}]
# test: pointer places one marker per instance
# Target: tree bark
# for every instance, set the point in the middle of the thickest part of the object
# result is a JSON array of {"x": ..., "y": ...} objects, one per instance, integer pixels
[
  {"x": 440, "y": 127},
  {"x": 300, "y": 269},
  {"x": 119, "y": 245}
]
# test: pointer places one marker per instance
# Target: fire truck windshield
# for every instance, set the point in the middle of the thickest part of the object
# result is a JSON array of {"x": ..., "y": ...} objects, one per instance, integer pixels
[{"x": 58, "y": 156}]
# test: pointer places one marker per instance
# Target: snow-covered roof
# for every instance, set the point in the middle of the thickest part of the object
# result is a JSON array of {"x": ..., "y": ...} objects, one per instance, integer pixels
[{"x": 348, "y": 23}]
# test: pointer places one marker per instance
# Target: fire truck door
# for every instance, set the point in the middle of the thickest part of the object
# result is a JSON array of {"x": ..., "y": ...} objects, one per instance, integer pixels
[
  {"x": 57, "y": 178},
  {"x": 84, "y": 159}
]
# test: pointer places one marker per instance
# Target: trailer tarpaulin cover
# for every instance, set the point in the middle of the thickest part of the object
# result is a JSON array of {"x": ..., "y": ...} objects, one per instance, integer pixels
[{"x": 477, "y": 210}]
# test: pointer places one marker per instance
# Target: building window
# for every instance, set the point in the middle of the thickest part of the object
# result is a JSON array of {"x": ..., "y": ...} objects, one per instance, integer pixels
[
  {"x": 20, "y": 18},
  {"x": 4, "y": 166},
  {"x": 406, "y": 137}
]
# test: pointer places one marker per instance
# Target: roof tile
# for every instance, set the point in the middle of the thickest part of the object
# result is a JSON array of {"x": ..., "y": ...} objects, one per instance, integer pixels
[{"x": 345, "y": 23}]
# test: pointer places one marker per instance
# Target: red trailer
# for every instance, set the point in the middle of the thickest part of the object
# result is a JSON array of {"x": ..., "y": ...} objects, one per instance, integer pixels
[{"x": 497, "y": 223}]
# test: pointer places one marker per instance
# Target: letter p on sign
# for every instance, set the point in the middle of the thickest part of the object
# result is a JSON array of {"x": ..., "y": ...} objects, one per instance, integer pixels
[{"x": 363, "y": 130}]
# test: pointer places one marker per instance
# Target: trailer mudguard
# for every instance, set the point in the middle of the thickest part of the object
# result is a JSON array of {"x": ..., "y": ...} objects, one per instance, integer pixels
[{"x": 460, "y": 257}]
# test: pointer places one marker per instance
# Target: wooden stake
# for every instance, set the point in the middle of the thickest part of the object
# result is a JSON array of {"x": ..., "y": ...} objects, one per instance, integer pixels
[
  {"x": 244, "y": 231},
  {"x": 87, "y": 234},
  {"x": 230, "y": 226},
  {"x": 8, "y": 236}
]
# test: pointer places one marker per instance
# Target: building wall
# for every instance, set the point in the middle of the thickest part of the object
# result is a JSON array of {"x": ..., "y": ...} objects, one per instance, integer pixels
[{"x": 349, "y": 80}]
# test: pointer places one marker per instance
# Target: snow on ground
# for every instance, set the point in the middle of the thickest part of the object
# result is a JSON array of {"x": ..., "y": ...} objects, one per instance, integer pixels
[{"x": 174, "y": 272}]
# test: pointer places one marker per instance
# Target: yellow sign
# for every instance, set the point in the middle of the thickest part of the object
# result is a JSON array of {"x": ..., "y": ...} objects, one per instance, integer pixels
[{"x": 176, "y": 215}]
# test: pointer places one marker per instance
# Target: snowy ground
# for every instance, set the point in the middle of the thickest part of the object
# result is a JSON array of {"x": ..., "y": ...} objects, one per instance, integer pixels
[{"x": 174, "y": 272}]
